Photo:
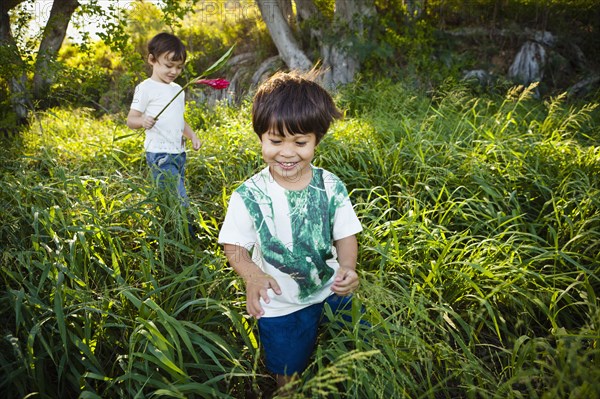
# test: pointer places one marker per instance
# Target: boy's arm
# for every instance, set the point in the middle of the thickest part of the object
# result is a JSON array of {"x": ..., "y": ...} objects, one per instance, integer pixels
[
  {"x": 136, "y": 120},
  {"x": 257, "y": 282},
  {"x": 346, "y": 279},
  {"x": 189, "y": 133}
]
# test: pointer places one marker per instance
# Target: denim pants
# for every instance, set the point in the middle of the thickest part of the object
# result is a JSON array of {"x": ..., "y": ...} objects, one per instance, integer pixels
[
  {"x": 289, "y": 340},
  {"x": 168, "y": 171}
]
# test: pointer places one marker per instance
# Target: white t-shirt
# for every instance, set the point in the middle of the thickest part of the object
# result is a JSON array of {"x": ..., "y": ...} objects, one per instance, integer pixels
[
  {"x": 290, "y": 234},
  {"x": 166, "y": 135}
]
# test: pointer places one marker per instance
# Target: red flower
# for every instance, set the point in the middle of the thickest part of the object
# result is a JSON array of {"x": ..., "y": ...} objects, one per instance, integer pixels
[{"x": 218, "y": 84}]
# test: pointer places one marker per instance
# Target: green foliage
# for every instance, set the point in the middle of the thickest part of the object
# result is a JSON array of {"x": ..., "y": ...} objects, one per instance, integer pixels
[
  {"x": 479, "y": 256},
  {"x": 215, "y": 27},
  {"x": 85, "y": 78},
  {"x": 325, "y": 7},
  {"x": 401, "y": 44},
  {"x": 208, "y": 31},
  {"x": 419, "y": 48}
]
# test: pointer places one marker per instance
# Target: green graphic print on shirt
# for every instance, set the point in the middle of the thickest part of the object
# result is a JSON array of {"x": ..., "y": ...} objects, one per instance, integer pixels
[{"x": 311, "y": 215}]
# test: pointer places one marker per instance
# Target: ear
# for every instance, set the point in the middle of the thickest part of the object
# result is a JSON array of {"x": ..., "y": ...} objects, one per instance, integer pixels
[{"x": 151, "y": 59}]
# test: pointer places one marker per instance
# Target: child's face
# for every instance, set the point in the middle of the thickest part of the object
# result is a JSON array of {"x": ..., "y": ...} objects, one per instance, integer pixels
[
  {"x": 164, "y": 69},
  {"x": 289, "y": 158}
]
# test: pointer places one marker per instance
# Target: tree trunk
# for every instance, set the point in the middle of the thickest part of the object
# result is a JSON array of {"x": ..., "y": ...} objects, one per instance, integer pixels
[
  {"x": 10, "y": 51},
  {"x": 54, "y": 34},
  {"x": 287, "y": 11},
  {"x": 282, "y": 36},
  {"x": 529, "y": 63},
  {"x": 340, "y": 58},
  {"x": 340, "y": 61},
  {"x": 306, "y": 11}
]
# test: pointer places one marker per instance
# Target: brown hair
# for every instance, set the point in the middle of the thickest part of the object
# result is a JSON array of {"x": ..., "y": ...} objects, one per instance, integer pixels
[
  {"x": 166, "y": 43},
  {"x": 293, "y": 103}
]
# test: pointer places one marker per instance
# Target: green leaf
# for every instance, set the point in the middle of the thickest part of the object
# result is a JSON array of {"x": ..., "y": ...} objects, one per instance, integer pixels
[
  {"x": 88, "y": 395},
  {"x": 220, "y": 63},
  {"x": 59, "y": 311}
]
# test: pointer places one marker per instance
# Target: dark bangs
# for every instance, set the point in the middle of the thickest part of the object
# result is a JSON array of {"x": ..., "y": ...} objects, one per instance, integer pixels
[
  {"x": 179, "y": 55},
  {"x": 293, "y": 105},
  {"x": 166, "y": 43}
]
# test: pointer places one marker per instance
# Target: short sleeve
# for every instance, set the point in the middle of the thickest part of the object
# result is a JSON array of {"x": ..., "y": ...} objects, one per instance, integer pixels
[
  {"x": 140, "y": 99},
  {"x": 345, "y": 221},
  {"x": 238, "y": 228}
]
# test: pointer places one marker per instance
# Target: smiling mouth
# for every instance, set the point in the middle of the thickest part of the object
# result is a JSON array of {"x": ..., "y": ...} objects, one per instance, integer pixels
[{"x": 287, "y": 165}]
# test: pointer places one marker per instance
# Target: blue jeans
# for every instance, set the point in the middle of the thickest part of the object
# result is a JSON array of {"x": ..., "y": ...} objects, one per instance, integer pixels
[
  {"x": 168, "y": 170},
  {"x": 288, "y": 341}
]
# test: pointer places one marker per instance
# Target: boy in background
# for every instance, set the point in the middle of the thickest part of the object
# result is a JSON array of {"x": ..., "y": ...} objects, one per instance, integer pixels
[
  {"x": 298, "y": 222},
  {"x": 165, "y": 137}
]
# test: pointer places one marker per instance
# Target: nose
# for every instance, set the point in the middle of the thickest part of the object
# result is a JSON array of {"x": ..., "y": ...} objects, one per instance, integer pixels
[{"x": 287, "y": 150}]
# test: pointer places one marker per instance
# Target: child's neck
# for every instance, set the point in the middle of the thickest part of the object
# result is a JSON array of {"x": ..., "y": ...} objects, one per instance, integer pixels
[{"x": 158, "y": 80}]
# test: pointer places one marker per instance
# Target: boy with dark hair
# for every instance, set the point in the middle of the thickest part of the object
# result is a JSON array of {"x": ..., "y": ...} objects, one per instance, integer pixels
[
  {"x": 298, "y": 222},
  {"x": 165, "y": 137}
]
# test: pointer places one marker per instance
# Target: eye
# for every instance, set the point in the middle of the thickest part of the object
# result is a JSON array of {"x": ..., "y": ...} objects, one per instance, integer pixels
[
  {"x": 275, "y": 142},
  {"x": 300, "y": 143}
]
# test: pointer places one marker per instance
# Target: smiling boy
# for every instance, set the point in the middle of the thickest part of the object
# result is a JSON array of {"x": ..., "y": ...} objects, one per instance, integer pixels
[{"x": 296, "y": 220}]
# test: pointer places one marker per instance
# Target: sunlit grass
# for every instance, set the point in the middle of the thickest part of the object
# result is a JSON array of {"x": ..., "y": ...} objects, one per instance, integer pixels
[{"x": 479, "y": 257}]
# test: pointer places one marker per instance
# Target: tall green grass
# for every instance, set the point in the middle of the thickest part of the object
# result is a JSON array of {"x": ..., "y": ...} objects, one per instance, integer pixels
[{"x": 479, "y": 257}]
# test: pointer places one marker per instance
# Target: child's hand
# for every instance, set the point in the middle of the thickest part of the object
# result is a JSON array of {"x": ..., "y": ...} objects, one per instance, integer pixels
[
  {"x": 256, "y": 288},
  {"x": 148, "y": 122},
  {"x": 196, "y": 143},
  {"x": 345, "y": 281}
]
